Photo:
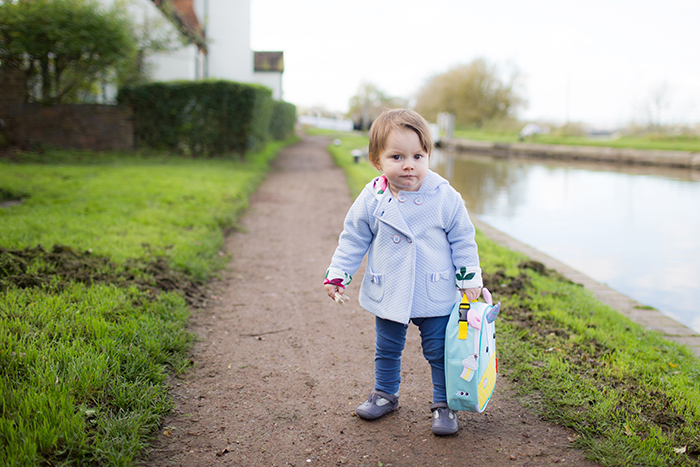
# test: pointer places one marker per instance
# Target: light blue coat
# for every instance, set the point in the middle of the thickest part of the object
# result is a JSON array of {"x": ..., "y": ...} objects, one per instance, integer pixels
[{"x": 421, "y": 248}]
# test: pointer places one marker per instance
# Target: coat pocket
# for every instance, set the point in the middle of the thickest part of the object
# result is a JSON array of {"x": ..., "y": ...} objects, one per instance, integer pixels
[
  {"x": 441, "y": 286},
  {"x": 373, "y": 285}
]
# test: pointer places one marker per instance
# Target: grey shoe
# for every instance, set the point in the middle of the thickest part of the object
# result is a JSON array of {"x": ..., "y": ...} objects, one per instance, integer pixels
[
  {"x": 444, "y": 420},
  {"x": 377, "y": 404}
]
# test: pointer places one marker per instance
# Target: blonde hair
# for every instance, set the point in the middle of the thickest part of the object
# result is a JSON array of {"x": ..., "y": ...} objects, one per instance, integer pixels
[{"x": 391, "y": 120}]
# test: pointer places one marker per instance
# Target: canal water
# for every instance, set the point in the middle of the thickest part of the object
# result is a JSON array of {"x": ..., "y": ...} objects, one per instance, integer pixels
[{"x": 635, "y": 229}]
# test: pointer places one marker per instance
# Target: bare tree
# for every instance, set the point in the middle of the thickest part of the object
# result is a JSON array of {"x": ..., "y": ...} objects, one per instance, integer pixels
[
  {"x": 657, "y": 105},
  {"x": 369, "y": 102},
  {"x": 153, "y": 35}
]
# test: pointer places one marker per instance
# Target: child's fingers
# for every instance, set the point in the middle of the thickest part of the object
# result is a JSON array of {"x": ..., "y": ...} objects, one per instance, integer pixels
[
  {"x": 472, "y": 294},
  {"x": 336, "y": 293},
  {"x": 331, "y": 290}
]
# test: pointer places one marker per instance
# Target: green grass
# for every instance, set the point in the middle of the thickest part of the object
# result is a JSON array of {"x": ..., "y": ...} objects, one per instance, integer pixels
[
  {"x": 83, "y": 373},
  {"x": 359, "y": 174},
  {"x": 176, "y": 206},
  {"x": 84, "y": 362},
  {"x": 656, "y": 142},
  {"x": 632, "y": 397}
]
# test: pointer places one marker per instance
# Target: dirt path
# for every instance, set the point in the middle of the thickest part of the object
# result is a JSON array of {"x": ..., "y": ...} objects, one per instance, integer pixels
[{"x": 280, "y": 367}]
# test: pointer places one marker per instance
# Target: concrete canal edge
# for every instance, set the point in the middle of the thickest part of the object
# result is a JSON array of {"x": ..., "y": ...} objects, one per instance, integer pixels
[
  {"x": 639, "y": 313},
  {"x": 682, "y": 159}
]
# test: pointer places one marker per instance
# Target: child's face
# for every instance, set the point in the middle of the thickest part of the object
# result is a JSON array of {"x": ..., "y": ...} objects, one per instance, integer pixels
[{"x": 404, "y": 161}]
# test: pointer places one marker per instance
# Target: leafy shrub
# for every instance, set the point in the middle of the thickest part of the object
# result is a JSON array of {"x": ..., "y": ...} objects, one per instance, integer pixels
[
  {"x": 284, "y": 117},
  {"x": 203, "y": 118}
]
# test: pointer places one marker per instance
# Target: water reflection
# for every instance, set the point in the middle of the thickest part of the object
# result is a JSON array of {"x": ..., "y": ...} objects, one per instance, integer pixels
[{"x": 636, "y": 229}]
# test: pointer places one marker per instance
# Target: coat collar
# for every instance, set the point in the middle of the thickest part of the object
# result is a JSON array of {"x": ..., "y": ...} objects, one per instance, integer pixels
[
  {"x": 387, "y": 210},
  {"x": 431, "y": 182}
]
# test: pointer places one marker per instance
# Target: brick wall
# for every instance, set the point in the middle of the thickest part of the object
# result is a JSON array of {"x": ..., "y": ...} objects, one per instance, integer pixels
[
  {"x": 12, "y": 87},
  {"x": 69, "y": 126}
]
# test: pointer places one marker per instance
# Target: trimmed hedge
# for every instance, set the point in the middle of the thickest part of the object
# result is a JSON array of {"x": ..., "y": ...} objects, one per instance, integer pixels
[
  {"x": 284, "y": 118},
  {"x": 208, "y": 117}
]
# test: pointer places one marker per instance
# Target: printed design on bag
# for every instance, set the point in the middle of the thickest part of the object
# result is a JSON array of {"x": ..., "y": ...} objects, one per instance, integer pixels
[
  {"x": 488, "y": 382},
  {"x": 474, "y": 318},
  {"x": 488, "y": 379},
  {"x": 493, "y": 313},
  {"x": 471, "y": 364}
]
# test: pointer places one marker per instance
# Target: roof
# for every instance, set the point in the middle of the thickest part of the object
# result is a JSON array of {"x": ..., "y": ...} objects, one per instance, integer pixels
[
  {"x": 181, "y": 14},
  {"x": 269, "y": 61},
  {"x": 186, "y": 10}
]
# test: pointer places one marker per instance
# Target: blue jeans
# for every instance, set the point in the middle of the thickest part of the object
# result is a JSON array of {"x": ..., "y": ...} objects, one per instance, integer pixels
[{"x": 391, "y": 339}]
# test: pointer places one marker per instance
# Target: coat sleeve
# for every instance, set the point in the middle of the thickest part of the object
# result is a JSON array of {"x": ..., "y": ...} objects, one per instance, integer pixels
[
  {"x": 354, "y": 241},
  {"x": 465, "y": 256}
]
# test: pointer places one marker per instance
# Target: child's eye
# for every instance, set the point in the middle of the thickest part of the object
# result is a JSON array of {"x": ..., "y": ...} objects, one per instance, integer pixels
[
  {"x": 418, "y": 157},
  {"x": 396, "y": 157}
]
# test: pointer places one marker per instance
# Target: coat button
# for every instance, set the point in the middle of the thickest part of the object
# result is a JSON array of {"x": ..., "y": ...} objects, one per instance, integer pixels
[
  {"x": 396, "y": 239},
  {"x": 408, "y": 239},
  {"x": 402, "y": 198},
  {"x": 419, "y": 201}
]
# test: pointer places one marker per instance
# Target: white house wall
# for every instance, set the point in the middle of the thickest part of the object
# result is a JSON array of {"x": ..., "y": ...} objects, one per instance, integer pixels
[
  {"x": 272, "y": 80},
  {"x": 228, "y": 43},
  {"x": 228, "y": 39},
  {"x": 227, "y": 24},
  {"x": 178, "y": 64}
]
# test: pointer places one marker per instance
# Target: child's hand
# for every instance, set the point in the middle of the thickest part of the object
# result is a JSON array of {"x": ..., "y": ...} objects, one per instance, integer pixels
[
  {"x": 472, "y": 294},
  {"x": 331, "y": 290},
  {"x": 336, "y": 293}
]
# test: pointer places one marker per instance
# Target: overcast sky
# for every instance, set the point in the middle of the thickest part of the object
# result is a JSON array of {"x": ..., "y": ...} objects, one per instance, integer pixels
[{"x": 595, "y": 61}]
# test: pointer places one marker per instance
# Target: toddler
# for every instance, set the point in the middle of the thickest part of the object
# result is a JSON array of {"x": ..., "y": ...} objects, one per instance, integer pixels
[{"x": 421, "y": 254}]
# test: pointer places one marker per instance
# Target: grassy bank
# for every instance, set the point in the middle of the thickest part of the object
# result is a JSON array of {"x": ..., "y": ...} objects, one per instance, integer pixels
[
  {"x": 656, "y": 142},
  {"x": 632, "y": 397},
  {"x": 102, "y": 257}
]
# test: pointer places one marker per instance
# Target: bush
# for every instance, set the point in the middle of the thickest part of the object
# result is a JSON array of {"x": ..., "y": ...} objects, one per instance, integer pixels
[
  {"x": 4, "y": 141},
  {"x": 284, "y": 117},
  {"x": 203, "y": 118}
]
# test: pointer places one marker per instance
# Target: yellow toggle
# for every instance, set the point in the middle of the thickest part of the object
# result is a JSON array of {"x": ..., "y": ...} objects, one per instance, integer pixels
[{"x": 463, "y": 329}]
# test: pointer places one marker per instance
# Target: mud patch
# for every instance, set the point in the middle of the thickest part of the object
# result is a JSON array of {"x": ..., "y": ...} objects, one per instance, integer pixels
[
  {"x": 10, "y": 198},
  {"x": 519, "y": 288},
  {"x": 499, "y": 283},
  {"x": 535, "y": 266},
  {"x": 54, "y": 269}
]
